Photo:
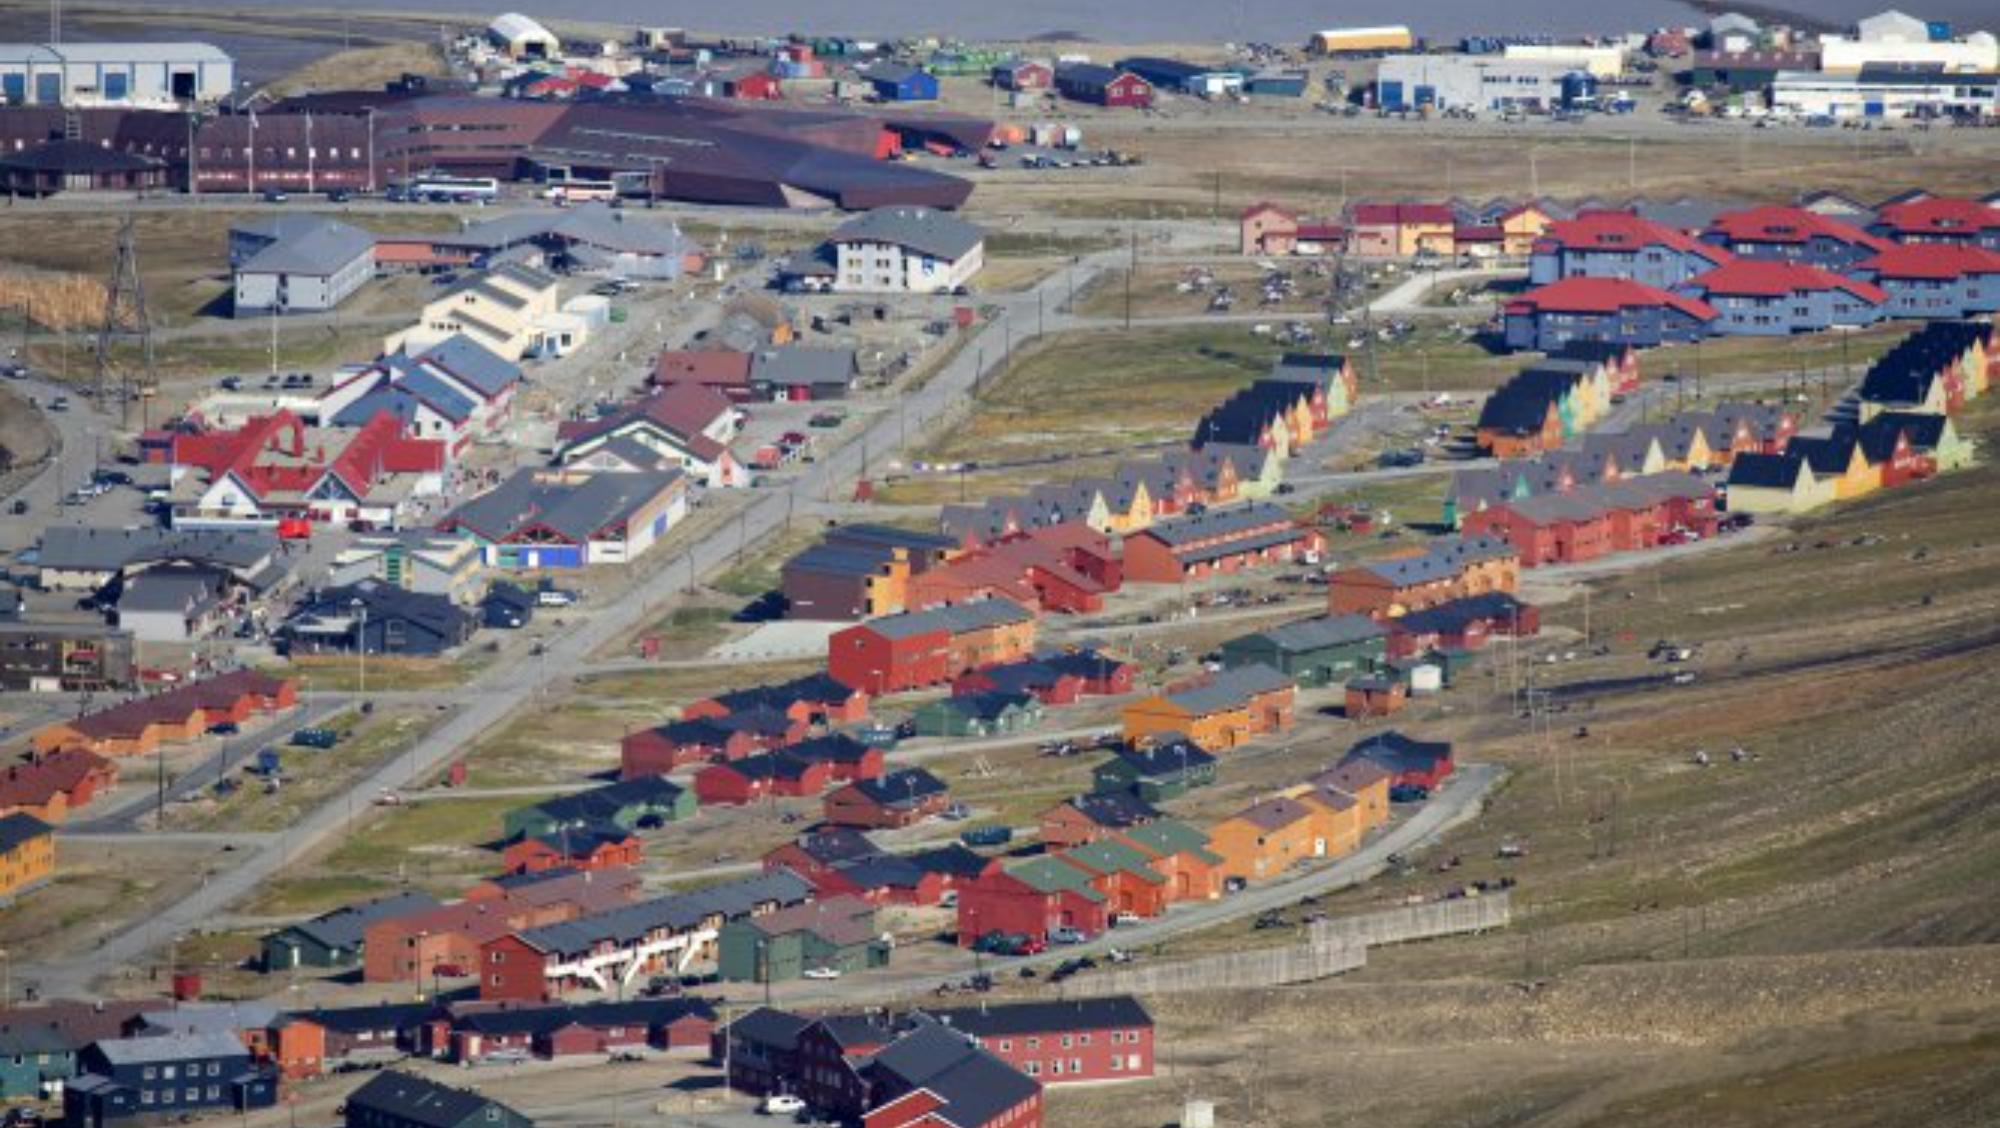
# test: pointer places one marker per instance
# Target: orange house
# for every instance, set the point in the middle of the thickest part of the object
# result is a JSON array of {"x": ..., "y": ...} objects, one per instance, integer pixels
[
  {"x": 52, "y": 786},
  {"x": 1123, "y": 874},
  {"x": 27, "y": 854},
  {"x": 298, "y": 1047},
  {"x": 1519, "y": 227},
  {"x": 1267, "y": 838},
  {"x": 139, "y": 726},
  {"x": 1181, "y": 854},
  {"x": 1222, "y": 712},
  {"x": 577, "y": 849},
  {"x": 1366, "y": 782}
]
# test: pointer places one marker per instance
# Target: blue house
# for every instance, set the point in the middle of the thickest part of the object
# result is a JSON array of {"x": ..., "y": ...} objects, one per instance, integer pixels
[
  {"x": 1763, "y": 298},
  {"x": 899, "y": 82},
  {"x": 1936, "y": 280},
  {"x": 167, "y": 1075},
  {"x": 1614, "y": 310},
  {"x": 1620, "y": 244},
  {"x": 1785, "y": 234}
]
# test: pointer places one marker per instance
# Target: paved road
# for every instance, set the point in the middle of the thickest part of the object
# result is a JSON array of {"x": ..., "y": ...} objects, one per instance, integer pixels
[
  {"x": 232, "y": 751},
  {"x": 507, "y": 686}
]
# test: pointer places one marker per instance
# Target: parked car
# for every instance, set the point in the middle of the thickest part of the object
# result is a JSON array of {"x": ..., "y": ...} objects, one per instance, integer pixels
[
  {"x": 988, "y": 836},
  {"x": 1126, "y": 918},
  {"x": 1064, "y": 934},
  {"x": 782, "y": 1104},
  {"x": 321, "y": 738},
  {"x": 822, "y": 973},
  {"x": 224, "y": 728},
  {"x": 554, "y": 597}
]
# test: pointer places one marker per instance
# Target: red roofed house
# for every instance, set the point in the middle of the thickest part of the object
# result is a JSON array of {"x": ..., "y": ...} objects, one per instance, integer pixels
[
  {"x": 1753, "y": 297},
  {"x": 139, "y": 726},
  {"x": 1620, "y": 244},
  {"x": 720, "y": 370},
  {"x": 50, "y": 787},
  {"x": 1792, "y": 235},
  {"x": 688, "y": 425},
  {"x": 275, "y": 466},
  {"x": 1937, "y": 219},
  {"x": 1613, "y": 310},
  {"x": 1936, "y": 279},
  {"x": 1401, "y": 230},
  {"x": 1067, "y": 567}
]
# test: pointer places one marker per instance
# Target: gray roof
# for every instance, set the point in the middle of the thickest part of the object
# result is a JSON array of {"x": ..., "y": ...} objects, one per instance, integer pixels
[
  {"x": 1228, "y": 521},
  {"x": 793, "y": 366},
  {"x": 472, "y": 363},
  {"x": 596, "y": 225},
  {"x": 631, "y": 923},
  {"x": 576, "y": 511},
  {"x": 172, "y": 1047},
  {"x": 410, "y": 1099},
  {"x": 955, "y": 619},
  {"x": 211, "y": 1018},
  {"x": 344, "y": 927},
  {"x": 322, "y": 246},
  {"x": 1323, "y": 631},
  {"x": 171, "y": 589},
  {"x": 926, "y": 231},
  {"x": 181, "y": 51},
  {"x": 89, "y": 549},
  {"x": 1230, "y": 688}
]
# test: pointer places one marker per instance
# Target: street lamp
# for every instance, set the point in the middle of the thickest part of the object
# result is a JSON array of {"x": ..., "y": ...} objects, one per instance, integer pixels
[{"x": 361, "y": 643}]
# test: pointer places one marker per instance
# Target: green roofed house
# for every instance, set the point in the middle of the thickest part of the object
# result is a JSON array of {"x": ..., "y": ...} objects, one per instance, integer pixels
[
  {"x": 1124, "y": 874},
  {"x": 1168, "y": 837},
  {"x": 978, "y": 714},
  {"x": 1163, "y": 770},
  {"x": 838, "y": 933},
  {"x": 1314, "y": 652},
  {"x": 634, "y": 804}
]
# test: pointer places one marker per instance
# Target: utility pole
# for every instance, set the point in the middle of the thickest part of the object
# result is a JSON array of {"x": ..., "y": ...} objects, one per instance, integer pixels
[{"x": 1131, "y": 269}]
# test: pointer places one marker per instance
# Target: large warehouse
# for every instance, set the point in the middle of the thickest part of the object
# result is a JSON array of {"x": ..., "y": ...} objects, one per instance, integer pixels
[
  {"x": 692, "y": 149},
  {"x": 114, "y": 74}
]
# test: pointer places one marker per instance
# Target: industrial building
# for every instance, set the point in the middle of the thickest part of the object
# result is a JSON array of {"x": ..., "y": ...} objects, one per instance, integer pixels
[
  {"x": 114, "y": 74},
  {"x": 1887, "y": 92},
  {"x": 1479, "y": 83},
  {"x": 1895, "y": 39}
]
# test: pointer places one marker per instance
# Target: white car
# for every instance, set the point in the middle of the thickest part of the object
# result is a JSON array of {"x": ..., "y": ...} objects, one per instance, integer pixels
[
  {"x": 781, "y": 1104},
  {"x": 822, "y": 973}
]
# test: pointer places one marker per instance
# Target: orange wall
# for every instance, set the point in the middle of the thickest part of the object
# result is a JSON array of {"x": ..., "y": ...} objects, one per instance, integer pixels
[{"x": 28, "y": 863}]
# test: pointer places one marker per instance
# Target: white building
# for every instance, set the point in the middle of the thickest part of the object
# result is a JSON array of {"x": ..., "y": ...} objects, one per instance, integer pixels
[
  {"x": 1886, "y": 94},
  {"x": 522, "y": 38},
  {"x": 906, "y": 250},
  {"x": 501, "y": 310},
  {"x": 1896, "y": 39},
  {"x": 114, "y": 74},
  {"x": 1479, "y": 83},
  {"x": 1599, "y": 62},
  {"x": 301, "y": 264}
]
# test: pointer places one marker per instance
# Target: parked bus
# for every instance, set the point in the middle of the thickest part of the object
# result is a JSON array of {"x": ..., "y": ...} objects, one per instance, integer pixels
[
  {"x": 437, "y": 186},
  {"x": 580, "y": 191}
]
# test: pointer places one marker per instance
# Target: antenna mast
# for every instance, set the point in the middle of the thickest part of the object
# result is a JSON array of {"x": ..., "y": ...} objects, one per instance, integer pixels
[{"x": 126, "y": 321}]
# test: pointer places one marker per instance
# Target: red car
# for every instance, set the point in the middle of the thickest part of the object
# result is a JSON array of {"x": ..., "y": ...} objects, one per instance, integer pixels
[
  {"x": 448, "y": 971},
  {"x": 294, "y": 528},
  {"x": 793, "y": 438}
]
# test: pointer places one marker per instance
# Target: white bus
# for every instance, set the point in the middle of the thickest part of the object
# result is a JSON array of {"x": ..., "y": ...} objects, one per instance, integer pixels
[
  {"x": 580, "y": 191},
  {"x": 438, "y": 186}
]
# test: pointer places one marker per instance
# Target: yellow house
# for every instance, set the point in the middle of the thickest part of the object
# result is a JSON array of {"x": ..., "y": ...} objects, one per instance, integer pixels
[
  {"x": 27, "y": 854},
  {"x": 1841, "y": 462},
  {"x": 1775, "y": 484},
  {"x": 1520, "y": 228}
]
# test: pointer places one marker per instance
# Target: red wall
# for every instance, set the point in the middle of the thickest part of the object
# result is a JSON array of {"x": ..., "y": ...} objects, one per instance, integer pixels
[
  {"x": 861, "y": 658},
  {"x": 1091, "y": 1050},
  {"x": 510, "y": 969}
]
